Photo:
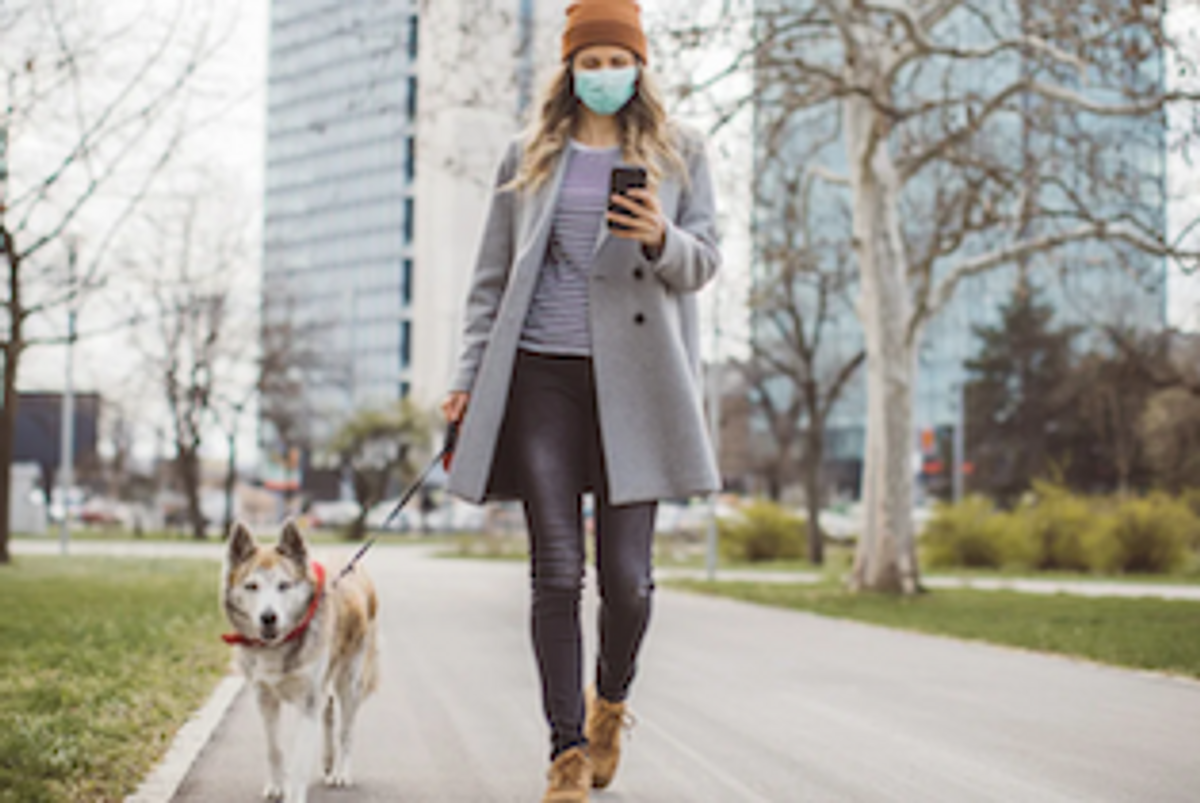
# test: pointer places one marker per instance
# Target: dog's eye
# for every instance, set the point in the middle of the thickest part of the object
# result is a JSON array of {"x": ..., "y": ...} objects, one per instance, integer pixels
[
  {"x": 251, "y": 586},
  {"x": 284, "y": 585}
]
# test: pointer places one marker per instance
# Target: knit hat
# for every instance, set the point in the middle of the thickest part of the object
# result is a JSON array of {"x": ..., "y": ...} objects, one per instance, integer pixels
[{"x": 604, "y": 22}]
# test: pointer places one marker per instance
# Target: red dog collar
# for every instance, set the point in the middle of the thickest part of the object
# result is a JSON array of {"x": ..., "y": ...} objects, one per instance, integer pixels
[{"x": 298, "y": 630}]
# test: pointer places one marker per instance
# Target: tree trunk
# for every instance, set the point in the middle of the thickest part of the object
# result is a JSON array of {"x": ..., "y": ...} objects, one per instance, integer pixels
[
  {"x": 8, "y": 433},
  {"x": 815, "y": 453},
  {"x": 230, "y": 484},
  {"x": 8, "y": 416},
  {"x": 886, "y": 557},
  {"x": 189, "y": 477}
]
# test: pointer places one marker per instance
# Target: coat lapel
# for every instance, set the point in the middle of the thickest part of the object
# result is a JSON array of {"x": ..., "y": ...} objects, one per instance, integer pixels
[{"x": 541, "y": 211}]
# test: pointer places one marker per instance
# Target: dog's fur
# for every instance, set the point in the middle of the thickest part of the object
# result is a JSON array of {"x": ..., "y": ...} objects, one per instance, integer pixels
[{"x": 326, "y": 671}]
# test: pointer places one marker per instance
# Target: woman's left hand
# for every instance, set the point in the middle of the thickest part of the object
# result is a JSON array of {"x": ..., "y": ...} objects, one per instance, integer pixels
[{"x": 643, "y": 216}]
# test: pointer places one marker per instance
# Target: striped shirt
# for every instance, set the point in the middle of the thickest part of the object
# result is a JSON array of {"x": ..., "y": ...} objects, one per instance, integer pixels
[{"x": 558, "y": 320}]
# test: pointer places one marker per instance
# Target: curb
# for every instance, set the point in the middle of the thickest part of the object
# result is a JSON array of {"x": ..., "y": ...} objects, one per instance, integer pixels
[{"x": 165, "y": 779}]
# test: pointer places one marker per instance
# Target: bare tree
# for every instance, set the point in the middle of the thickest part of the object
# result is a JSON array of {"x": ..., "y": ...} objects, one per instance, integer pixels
[
  {"x": 797, "y": 368},
  {"x": 201, "y": 350},
  {"x": 84, "y": 132},
  {"x": 964, "y": 137}
]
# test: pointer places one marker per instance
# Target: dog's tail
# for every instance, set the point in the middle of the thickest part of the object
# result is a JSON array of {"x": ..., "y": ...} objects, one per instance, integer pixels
[
  {"x": 370, "y": 676},
  {"x": 370, "y": 671}
]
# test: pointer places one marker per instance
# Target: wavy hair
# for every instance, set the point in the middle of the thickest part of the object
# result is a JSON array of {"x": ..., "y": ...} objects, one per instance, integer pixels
[{"x": 647, "y": 133}]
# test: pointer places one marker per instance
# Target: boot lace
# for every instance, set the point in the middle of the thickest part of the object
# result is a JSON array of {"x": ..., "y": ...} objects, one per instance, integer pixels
[{"x": 611, "y": 718}]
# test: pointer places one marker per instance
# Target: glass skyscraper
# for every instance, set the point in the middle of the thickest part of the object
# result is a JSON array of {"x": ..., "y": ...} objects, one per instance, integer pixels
[{"x": 340, "y": 206}]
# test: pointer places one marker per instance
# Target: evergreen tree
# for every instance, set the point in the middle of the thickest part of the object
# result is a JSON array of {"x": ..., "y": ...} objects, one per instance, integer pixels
[{"x": 1020, "y": 397}]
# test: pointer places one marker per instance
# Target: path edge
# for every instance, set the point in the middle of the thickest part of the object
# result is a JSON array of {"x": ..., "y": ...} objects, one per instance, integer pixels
[{"x": 161, "y": 784}]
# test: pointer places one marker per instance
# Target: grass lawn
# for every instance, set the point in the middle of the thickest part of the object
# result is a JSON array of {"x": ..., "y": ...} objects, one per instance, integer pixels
[
  {"x": 1139, "y": 633},
  {"x": 103, "y": 660}
]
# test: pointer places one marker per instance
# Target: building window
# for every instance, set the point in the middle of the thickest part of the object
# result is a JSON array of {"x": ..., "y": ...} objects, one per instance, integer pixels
[
  {"x": 405, "y": 345},
  {"x": 408, "y": 220},
  {"x": 414, "y": 28},
  {"x": 406, "y": 277},
  {"x": 412, "y": 97},
  {"x": 410, "y": 159}
]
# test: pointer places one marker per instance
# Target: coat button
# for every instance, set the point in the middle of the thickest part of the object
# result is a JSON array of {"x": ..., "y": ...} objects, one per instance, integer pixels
[
  {"x": 639, "y": 319},
  {"x": 638, "y": 273}
]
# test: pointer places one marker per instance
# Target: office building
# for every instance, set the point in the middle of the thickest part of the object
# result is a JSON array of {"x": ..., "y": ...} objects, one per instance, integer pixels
[{"x": 385, "y": 121}]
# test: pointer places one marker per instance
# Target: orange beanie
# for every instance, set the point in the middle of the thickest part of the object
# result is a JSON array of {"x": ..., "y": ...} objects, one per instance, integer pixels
[{"x": 604, "y": 22}]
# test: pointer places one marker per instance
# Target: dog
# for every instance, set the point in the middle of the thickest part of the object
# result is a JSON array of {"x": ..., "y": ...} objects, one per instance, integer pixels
[{"x": 301, "y": 637}]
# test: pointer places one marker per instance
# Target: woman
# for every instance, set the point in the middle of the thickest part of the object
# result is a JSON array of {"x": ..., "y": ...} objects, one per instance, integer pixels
[{"x": 580, "y": 364}]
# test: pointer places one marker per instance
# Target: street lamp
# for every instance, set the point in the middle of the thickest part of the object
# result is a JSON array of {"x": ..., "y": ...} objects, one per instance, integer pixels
[{"x": 66, "y": 468}]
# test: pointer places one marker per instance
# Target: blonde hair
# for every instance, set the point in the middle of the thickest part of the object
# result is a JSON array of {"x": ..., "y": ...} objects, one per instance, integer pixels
[{"x": 647, "y": 134}]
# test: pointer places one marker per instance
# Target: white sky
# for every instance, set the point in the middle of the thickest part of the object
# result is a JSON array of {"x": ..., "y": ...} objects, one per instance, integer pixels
[{"x": 233, "y": 147}]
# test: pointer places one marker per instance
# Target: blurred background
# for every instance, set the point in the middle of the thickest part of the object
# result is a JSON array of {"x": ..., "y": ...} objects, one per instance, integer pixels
[{"x": 239, "y": 237}]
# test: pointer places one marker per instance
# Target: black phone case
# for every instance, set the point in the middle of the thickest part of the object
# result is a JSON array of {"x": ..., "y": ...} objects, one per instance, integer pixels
[{"x": 621, "y": 181}]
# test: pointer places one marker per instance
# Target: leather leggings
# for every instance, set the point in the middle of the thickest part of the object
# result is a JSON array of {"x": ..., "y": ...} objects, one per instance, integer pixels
[{"x": 556, "y": 443}]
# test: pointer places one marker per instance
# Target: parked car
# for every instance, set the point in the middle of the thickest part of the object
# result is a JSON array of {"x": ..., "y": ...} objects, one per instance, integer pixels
[{"x": 332, "y": 515}]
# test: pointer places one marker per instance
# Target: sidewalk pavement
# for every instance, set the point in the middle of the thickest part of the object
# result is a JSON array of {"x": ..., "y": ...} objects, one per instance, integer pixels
[
  {"x": 735, "y": 702},
  {"x": 1026, "y": 585}
]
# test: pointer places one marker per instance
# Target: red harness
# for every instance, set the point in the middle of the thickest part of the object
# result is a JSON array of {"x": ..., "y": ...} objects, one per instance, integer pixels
[{"x": 298, "y": 630}]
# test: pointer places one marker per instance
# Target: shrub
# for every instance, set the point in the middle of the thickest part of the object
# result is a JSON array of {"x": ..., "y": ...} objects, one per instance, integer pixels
[
  {"x": 970, "y": 534},
  {"x": 1051, "y": 532},
  {"x": 763, "y": 531},
  {"x": 1142, "y": 535},
  {"x": 1191, "y": 498}
]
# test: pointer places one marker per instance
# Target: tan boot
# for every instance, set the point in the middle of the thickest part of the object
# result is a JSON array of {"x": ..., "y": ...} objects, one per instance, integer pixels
[
  {"x": 570, "y": 777},
  {"x": 603, "y": 731}
]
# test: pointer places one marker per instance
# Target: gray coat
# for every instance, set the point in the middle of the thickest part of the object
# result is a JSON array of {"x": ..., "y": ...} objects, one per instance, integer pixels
[{"x": 645, "y": 344}]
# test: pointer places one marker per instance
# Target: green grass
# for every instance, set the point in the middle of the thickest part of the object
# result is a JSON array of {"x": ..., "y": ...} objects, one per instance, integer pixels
[
  {"x": 1138, "y": 633},
  {"x": 103, "y": 660},
  {"x": 1177, "y": 578}
]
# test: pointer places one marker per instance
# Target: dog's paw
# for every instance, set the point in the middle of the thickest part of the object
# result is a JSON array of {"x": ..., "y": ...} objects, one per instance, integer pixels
[
  {"x": 338, "y": 779},
  {"x": 273, "y": 792}
]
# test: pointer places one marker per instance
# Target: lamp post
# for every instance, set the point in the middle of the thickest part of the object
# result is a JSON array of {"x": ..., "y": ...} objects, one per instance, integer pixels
[
  {"x": 960, "y": 425},
  {"x": 714, "y": 424},
  {"x": 66, "y": 467}
]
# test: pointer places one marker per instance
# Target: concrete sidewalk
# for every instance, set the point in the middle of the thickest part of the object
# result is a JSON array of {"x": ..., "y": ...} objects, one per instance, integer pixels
[
  {"x": 1025, "y": 585},
  {"x": 1028, "y": 585},
  {"x": 735, "y": 703}
]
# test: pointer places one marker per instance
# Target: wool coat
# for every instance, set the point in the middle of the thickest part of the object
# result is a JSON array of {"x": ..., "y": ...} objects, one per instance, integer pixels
[{"x": 645, "y": 339}]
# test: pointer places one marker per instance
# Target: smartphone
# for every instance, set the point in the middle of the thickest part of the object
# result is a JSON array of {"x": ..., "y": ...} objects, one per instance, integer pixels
[{"x": 622, "y": 180}]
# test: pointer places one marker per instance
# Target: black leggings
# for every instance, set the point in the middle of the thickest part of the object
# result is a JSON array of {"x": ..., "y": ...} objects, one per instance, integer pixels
[{"x": 555, "y": 438}]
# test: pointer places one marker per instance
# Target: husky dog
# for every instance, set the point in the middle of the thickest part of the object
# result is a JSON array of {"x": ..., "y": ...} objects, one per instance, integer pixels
[{"x": 301, "y": 638}]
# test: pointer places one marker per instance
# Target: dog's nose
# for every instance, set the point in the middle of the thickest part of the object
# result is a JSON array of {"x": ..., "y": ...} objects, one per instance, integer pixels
[{"x": 269, "y": 619}]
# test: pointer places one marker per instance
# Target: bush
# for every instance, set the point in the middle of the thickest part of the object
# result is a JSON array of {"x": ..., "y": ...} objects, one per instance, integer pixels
[
  {"x": 1191, "y": 498},
  {"x": 970, "y": 534},
  {"x": 1143, "y": 535},
  {"x": 763, "y": 531},
  {"x": 1051, "y": 533}
]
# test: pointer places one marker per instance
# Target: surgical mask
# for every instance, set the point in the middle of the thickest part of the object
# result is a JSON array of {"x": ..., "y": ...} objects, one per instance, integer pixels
[{"x": 606, "y": 91}]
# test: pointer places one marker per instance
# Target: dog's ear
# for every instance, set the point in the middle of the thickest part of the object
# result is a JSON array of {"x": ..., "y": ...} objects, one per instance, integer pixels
[
  {"x": 242, "y": 545},
  {"x": 292, "y": 546}
]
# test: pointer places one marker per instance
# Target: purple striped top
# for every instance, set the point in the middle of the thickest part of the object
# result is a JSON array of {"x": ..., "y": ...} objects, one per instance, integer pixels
[{"x": 558, "y": 322}]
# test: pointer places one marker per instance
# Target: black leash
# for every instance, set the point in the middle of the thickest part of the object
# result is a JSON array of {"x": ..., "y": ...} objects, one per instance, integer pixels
[{"x": 447, "y": 448}]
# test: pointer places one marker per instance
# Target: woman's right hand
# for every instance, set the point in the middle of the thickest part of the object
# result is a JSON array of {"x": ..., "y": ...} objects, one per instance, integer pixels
[{"x": 455, "y": 406}]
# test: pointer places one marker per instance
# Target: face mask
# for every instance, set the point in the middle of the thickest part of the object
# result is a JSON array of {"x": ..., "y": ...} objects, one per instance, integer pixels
[{"x": 606, "y": 91}]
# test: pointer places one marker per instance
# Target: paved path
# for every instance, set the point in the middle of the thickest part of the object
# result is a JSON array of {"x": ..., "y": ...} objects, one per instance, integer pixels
[
  {"x": 736, "y": 703},
  {"x": 1097, "y": 588},
  {"x": 1025, "y": 585}
]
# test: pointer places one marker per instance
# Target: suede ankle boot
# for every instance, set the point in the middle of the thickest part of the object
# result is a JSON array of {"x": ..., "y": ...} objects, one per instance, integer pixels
[
  {"x": 570, "y": 777},
  {"x": 605, "y": 720}
]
